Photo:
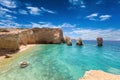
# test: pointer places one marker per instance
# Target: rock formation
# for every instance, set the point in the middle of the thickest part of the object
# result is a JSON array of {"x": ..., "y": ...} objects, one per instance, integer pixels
[
  {"x": 99, "y": 41},
  {"x": 16, "y": 37},
  {"x": 99, "y": 75},
  {"x": 7, "y": 56},
  {"x": 79, "y": 42},
  {"x": 23, "y": 64},
  {"x": 9, "y": 41},
  {"x": 68, "y": 40},
  {"x": 48, "y": 35}
]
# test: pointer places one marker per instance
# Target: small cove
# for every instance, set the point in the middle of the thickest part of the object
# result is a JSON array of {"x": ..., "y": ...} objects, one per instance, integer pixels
[{"x": 62, "y": 62}]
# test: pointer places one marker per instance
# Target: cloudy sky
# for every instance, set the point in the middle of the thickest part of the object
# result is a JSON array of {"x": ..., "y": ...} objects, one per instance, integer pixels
[{"x": 87, "y": 19}]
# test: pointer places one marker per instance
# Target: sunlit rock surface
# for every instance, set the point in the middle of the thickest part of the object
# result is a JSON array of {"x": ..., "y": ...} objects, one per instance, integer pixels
[
  {"x": 79, "y": 42},
  {"x": 12, "y": 39},
  {"x": 99, "y": 75},
  {"x": 99, "y": 41},
  {"x": 68, "y": 40}
]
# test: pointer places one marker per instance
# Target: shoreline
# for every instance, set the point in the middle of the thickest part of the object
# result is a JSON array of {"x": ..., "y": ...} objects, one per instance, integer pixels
[
  {"x": 99, "y": 75},
  {"x": 21, "y": 49},
  {"x": 89, "y": 75}
]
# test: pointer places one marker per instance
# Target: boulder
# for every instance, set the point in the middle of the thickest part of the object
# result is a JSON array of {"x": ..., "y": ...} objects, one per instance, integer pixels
[
  {"x": 23, "y": 64},
  {"x": 7, "y": 56}
]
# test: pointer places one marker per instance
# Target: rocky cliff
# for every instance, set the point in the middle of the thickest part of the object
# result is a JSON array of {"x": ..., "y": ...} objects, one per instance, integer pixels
[
  {"x": 48, "y": 35},
  {"x": 9, "y": 41},
  {"x": 16, "y": 37},
  {"x": 26, "y": 37}
]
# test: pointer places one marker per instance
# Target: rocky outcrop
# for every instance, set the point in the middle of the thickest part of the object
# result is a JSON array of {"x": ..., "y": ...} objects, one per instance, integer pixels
[
  {"x": 68, "y": 40},
  {"x": 9, "y": 41},
  {"x": 48, "y": 35},
  {"x": 16, "y": 37},
  {"x": 27, "y": 37},
  {"x": 99, "y": 41},
  {"x": 99, "y": 75},
  {"x": 79, "y": 42}
]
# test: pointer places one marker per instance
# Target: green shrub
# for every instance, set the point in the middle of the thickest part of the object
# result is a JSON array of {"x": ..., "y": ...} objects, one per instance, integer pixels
[{"x": 3, "y": 30}]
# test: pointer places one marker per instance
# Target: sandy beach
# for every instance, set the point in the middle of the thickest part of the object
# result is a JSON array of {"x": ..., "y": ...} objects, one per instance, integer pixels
[{"x": 22, "y": 48}]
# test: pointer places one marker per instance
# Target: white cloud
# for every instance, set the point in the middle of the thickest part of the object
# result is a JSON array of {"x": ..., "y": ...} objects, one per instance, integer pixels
[
  {"x": 104, "y": 17},
  {"x": 35, "y": 25},
  {"x": 34, "y": 10},
  {"x": 46, "y": 10},
  {"x": 38, "y": 11},
  {"x": 5, "y": 14},
  {"x": 48, "y": 24},
  {"x": 41, "y": 25},
  {"x": 74, "y": 2},
  {"x": 92, "y": 16},
  {"x": 5, "y": 10},
  {"x": 23, "y": 11},
  {"x": 9, "y": 17},
  {"x": 99, "y": 2},
  {"x": 78, "y": 3},
  {"x": 8, "y": 3},
  {"x": 8, "y": 24},
  {"x": 92, "y": 34},
  {"x": 96, "y": 17},
  {"x": 83, "y": 6},
  {"x": 67, "y": 25}
]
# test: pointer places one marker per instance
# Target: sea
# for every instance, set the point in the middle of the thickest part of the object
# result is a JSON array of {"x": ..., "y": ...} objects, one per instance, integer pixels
[{"x": 62, "y": 62}]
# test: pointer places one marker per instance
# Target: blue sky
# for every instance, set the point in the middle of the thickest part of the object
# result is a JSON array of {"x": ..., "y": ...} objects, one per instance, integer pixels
[{"x": 87, "y": 19}]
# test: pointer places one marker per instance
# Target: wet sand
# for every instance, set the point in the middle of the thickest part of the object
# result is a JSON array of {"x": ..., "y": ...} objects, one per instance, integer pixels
[{"x": 4, "y": 61}]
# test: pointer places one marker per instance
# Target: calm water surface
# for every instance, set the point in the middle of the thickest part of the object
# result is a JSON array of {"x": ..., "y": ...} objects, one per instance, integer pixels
[{"x": 62, "y": 62}]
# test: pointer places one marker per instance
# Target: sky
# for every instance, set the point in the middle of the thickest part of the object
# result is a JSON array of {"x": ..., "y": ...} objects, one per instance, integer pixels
[{"x": 86, "y": 19}]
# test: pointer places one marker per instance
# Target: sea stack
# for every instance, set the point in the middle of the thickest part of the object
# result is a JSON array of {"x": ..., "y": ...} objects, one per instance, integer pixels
[
  {"x": 79, "y": 42},
  {"x": 99, "y": 41},
  {"x": 68, "y": 40}
]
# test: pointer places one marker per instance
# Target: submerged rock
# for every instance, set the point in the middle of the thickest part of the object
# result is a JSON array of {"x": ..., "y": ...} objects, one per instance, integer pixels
[
  {"x": 79, "y": 42},
  {"x": 99, "y": 41},
  {"x": 7, "y": 56},
  {"x": 23, "y": 64}
]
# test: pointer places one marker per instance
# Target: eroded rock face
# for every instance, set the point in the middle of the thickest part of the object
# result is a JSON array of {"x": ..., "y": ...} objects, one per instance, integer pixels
[
  {"x": 9, "y": 41},
  {"x": 99, "y": 41},
  {"x": 68, "y": 40},
  {"x": 16, "y": 37},
  {"x": 79, "y": 42},
  {"x": 48, "y": 35},
  {"x": 27, "y": 37}
]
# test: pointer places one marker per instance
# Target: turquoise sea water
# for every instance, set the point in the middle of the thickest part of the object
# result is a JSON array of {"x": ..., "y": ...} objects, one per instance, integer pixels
[{"x": 62, "y": 62}]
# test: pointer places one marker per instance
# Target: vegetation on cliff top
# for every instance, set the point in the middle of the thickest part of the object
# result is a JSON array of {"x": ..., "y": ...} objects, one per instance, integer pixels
[{"x": 3, "y": 30}]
